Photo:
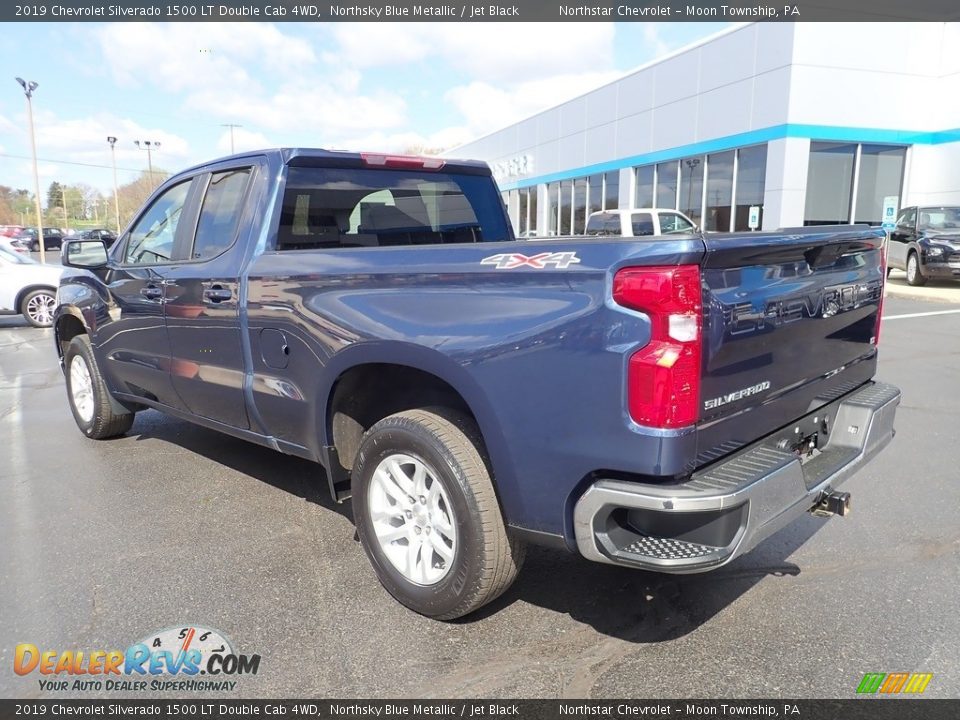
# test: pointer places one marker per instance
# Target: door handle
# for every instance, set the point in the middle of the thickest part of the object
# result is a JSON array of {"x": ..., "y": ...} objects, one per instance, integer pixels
[
  {"x": 151, "y": 292},
  {"x": 217, "y": 294}
]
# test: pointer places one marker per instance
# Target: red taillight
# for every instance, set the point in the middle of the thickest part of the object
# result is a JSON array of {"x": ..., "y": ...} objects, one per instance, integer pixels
[
  {"x": 883, "y": 291},
  {"x": 402, "y": 161},
  {"x": 663, "y": 383}
]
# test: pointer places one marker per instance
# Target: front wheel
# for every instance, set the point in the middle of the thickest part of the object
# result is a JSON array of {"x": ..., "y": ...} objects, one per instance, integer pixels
[
  {"x": 88, "y": 394},
  {"x": 427, "y": 515},
  {"x": 914, "y": 276},
  {"x": 37, "y": 307}
]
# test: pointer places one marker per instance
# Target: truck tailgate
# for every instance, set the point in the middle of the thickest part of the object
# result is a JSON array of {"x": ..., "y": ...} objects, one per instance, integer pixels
[{"x": 790, "y": 324}]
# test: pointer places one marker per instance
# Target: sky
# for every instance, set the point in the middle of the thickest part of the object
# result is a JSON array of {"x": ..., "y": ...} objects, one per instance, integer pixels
[{"x": 352, "y": 86}]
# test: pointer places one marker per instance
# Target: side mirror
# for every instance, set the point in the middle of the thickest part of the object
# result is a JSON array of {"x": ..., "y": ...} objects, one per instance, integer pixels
[{"x": 83, "y": 254}]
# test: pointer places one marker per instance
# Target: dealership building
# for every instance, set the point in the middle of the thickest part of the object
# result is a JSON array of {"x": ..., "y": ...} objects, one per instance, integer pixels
[{"x": 806, "y": 123}]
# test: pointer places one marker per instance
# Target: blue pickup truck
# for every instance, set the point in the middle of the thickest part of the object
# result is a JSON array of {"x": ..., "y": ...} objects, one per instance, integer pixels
[{"x": 659, "y": 403}]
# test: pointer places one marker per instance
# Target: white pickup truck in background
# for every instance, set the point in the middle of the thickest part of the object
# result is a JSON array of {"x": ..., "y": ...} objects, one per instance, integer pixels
[{"x": 639, "y": 222}]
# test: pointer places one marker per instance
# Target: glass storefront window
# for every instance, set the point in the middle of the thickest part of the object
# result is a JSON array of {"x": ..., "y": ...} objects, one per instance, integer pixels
[
  {"x": 829, "y": 183},
  {"x": 667, "y": 184},
  {"x": 532, "y": 203},
  {"x": 751, "y": 180},
  {"x": 611, "y": 185},
  {"x": 596, "y": 192},
  {"x": 566, "y": 188},
  {"x": 719, "y": 191},
  {"x": 643, "y": 195},
  {"x": 553, "y": 197},
  {"x": 691, "y": 187},
  {"x": 881, "y": 175},
  {"x": 579, "y": 206},
  {"x": 523, "y": 211}
]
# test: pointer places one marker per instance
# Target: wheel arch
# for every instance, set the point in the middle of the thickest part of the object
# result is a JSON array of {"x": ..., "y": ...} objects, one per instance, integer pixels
[
  {"x": 29, "y": 289},
  {"x": 67, "y": 324},
  {"x": 354, "y": 399}
]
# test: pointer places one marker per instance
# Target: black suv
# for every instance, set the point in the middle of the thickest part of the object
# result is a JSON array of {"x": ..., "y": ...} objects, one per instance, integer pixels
[
  {"x": 52, "y": 238},
  {"x": 926, "y": 243},
  {"x": 106, "y": 236}
]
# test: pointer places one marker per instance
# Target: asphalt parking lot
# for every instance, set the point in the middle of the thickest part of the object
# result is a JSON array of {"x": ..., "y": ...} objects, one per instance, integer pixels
[{"x": 105, "y": 542}]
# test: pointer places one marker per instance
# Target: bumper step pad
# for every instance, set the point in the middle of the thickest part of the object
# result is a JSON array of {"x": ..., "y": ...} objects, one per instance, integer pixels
[{"x": 668, "y": 549}]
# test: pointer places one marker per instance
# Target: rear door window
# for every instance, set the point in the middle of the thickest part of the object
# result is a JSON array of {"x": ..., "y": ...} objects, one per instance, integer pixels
[
  {"x": 220, "y": 213},
  {"x": 357, "y": 207},
  {"x": 604, "y": 224},
  {"x": 641, "y": 224},
  {"x": 672, "y": 223}
]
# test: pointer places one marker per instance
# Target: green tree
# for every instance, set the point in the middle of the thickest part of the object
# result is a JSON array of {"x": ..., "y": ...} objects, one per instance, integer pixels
[
  {"x": 15, "y": 206},
  {"x": 54, "y": 196},
  {"x": 134, "y": 194}
]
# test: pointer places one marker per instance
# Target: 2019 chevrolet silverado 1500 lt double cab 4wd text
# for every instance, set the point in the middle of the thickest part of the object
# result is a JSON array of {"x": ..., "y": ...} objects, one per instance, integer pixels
[{"x": 659, "y": 403}]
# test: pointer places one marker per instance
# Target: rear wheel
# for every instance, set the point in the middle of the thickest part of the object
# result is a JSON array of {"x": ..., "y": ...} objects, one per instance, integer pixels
[
  {"x": 38, "y": 306},
  {"x": 88, "y": 395},
  {"x": 914, "y": 276},
  {"x": 427, "y": 515}
]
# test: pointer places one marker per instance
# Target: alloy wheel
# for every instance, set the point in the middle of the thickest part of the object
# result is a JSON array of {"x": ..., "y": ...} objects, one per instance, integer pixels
[{"x": 412, "y": 518}]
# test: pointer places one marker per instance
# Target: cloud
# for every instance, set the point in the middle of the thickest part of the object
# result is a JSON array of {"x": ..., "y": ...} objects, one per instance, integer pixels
[
  {"x": 408, "y": 141},
  {"x": 243, "y": 140},
  {"x": 208, "y": 69},
  {"x": 188, "y": 57},
  {"x": 84, "y": 139},
  {"x": 490, "y": 52},
  {"x": 487, "y": 107},
  {"x": 302, "y": 106},
  {"x": 76, "y": 150}
]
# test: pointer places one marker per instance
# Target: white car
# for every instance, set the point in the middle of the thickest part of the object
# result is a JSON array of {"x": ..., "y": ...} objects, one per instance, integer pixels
[
  {"x": 5, "y": 244},
  {"x": 28, "y": 288},
  {"x": 639, "y": 222}
]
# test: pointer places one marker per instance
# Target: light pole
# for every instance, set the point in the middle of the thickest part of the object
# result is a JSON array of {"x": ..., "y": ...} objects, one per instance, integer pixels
[
  {"x": 116, "y": 195},
  {"x": 63, "y": 201},
  {"x": 28, "y": 88},
  {"x": 149, "y": 145},
  {"x": 231, "y": 126}
]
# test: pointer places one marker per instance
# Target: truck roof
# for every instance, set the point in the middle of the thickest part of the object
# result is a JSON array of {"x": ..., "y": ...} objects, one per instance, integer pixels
[{"x": 310, "y": 156}]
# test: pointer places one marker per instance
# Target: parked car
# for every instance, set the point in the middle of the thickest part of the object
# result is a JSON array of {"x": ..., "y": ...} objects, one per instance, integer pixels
[
  {"x": 52, "y": 238},
  {"x": 108, "y": 237},
  {"x": 639, "y": 222},
  {"x": 28, "y": 287},
  {"x": 10, "y": 231},
  {"x": 663, "y": 405},
  {"x": 926, "y": 243},
  {"x": 7, "y": 244}
]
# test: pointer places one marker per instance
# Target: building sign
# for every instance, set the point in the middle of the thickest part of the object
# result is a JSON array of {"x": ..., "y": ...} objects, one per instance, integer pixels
[
  {"x": 513, "y": 167},
  {"x": 754, "y": 218}
]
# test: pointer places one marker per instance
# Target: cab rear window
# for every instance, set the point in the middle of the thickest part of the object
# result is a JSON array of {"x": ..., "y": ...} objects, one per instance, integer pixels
[{"x": 326, "y": 208}]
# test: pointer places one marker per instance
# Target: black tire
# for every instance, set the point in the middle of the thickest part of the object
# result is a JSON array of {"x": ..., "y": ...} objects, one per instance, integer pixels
[
  {"x": 914, "y": 275},
  {"x": 35, "y": 246},
  {"x": 37, "y": 307},
  {"x": 486, "y": 559},
  {"x": 102, "y": 422}
]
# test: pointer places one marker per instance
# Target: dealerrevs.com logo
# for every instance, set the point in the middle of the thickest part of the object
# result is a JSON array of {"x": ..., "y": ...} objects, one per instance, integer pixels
[{"x": 187, "y": 658}]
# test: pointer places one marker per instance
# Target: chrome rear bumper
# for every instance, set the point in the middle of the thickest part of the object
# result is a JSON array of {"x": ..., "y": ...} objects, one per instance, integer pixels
[{"x": 728, "y": 507}]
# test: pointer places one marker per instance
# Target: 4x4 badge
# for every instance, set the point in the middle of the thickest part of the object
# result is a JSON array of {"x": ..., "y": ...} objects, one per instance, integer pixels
[{"x": 508, "y": 261}]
